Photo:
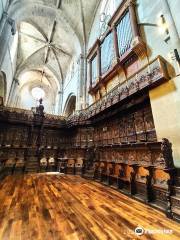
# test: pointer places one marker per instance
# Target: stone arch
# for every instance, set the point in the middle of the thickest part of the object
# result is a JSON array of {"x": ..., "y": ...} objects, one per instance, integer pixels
[
  {"x": 70, "y": 105},
  {"x": 3, "y": 85}
]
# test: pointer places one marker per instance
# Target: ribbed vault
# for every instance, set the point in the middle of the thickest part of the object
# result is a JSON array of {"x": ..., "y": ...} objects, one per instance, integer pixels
[{"x": 51, "y": 33}]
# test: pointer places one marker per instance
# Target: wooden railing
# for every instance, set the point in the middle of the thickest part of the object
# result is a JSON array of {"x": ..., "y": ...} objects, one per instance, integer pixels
[
  {"x": 24, "y": 115},
  {"x": 146, "y": 78}
]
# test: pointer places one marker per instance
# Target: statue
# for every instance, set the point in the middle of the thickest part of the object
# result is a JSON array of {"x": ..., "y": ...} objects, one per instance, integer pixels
[
  {"x": 40, "y": 108},
  {"x": 166, "y": 149}
]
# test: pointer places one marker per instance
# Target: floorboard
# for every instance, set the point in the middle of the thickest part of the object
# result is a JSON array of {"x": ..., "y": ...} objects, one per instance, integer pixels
[{"x": 58, "y": 207}]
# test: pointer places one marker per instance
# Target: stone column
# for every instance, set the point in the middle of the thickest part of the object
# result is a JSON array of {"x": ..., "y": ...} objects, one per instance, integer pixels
[
  {"x": 7, "y": 27},
  {"x": 60, "y": 102},
  {"x": 13, "y": 92}
]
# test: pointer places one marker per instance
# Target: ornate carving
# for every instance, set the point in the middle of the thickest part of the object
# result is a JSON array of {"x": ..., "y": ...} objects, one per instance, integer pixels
[{"x": 166, "y": 148}]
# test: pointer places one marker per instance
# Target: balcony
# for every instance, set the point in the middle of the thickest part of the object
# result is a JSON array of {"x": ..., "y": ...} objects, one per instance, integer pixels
[{"x": 146, "y": 78}]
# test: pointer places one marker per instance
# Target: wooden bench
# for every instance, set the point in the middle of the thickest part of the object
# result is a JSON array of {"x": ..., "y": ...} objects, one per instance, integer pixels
[
  {"x": 51, "y": 164},
  {"x": 71, "y": 166},
  {"x": 9, "y": 166},
  {"x": 125, "y": 178},
  {"x": 96, "y": 166},
  {"x": 43, "y": 164},
  {"x": 143, "y": 184},
  {"x": 114, "y": 177},
  {"x": 160, "y": 187},
  {"x": 20, "y": 166},
  {"x": 79, "y": 165},
  {"x": 102, "y": 170}
]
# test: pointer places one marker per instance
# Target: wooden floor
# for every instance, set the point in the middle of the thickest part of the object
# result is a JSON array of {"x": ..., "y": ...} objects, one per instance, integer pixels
[{"x": 44, "y": 206}]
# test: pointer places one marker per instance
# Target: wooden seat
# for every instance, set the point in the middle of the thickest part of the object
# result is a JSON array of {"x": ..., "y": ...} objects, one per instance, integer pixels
[
  {"x": 71, "y": 166},
  {"x": 96, "y": 166},
  {"x": 51, "y": 164},
  {"x": 125, "y": 178},
  {"x": 102, "y": 170},
  {"x": 20, "y": 166},
  {"x": 79, "y": 165},
  {"x": 143, "y": 188},
  {"x": 2, "y": 168},
  {"x": 62, "y": 165},
  {"x": 114, "y": 177},
  {"x": 109, "y": 171},
  {"x": 10, "y": 165},
  {"x": 43, "y": 164},
  {"x": 160, "y": 185}
]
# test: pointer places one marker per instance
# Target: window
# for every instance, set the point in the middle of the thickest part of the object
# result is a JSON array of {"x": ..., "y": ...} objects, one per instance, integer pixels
[
  {"x": 113, "y": 48},
  {"x": 107, "y": 53},
  {"x": 37, "y": 93},
  {"x": 108, "y": 7},
  {"x": 124, "y": 33},
  {"x": 94, "y": 69}
]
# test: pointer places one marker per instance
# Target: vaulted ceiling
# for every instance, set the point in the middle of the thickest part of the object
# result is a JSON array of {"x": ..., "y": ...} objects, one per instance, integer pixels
[{"x": 51, "y": 32}]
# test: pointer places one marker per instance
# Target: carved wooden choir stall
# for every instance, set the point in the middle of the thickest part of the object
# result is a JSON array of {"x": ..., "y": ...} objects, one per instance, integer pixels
[{"x": 114, "y": 139}]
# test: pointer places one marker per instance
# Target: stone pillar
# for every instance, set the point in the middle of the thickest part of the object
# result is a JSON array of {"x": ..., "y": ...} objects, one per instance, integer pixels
[
  {"x": 7, "y": 27},
  {"x": 89, "y": 81},
  {"x": 60, "y": 101},
  {"x": 79, "y": 82},
  {"x": 13, "y": 92}
]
